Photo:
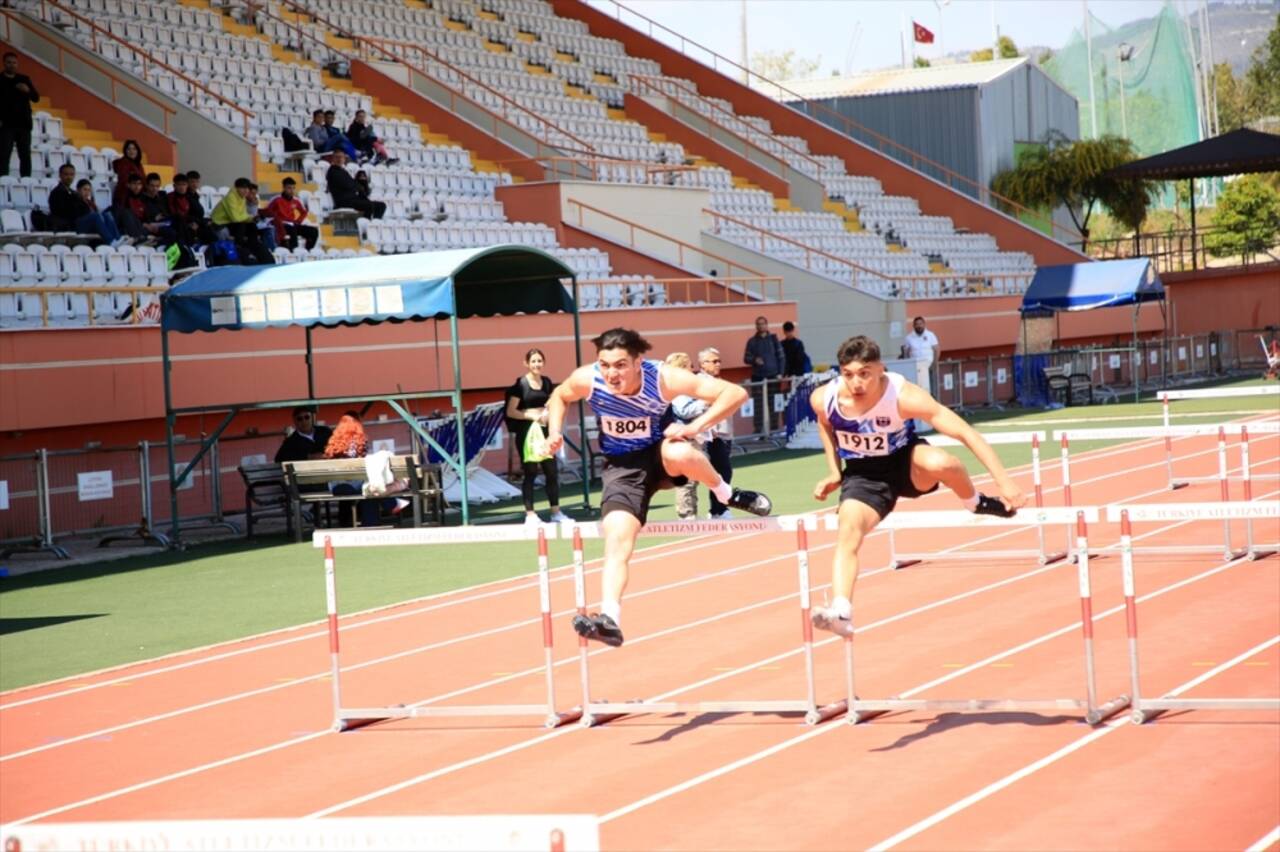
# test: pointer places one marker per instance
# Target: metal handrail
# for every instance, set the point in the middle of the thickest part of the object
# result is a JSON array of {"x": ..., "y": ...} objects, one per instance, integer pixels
[
  {"x": 593, "y": 164},
  {"x": 147, "y": 58},
  {"x": 12, "y": 18},
  {"x": 740, "y": 286},
  {"x": 899, "y": 285},
  {"x": 376, "y": 44},
  {"x": 680, "y": 244},
  {"x": 847, "y": 122},
  {"x": 647, "y": 80},
  {"x": 44, "y": 293}
]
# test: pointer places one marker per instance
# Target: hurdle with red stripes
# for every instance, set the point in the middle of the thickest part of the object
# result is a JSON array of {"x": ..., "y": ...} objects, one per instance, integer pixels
[
  {"x": 1166, "y": 397},
  {"x": 1143, "y": 709}
]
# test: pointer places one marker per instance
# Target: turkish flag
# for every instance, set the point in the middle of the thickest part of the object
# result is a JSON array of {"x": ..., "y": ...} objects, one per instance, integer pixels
[{"x": 921, "y": 34}]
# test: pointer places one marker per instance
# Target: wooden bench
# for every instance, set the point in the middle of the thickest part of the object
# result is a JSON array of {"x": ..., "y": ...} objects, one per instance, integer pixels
[
  {"x": 424, "y": 490},
  {"x": 265, "y": 495},
  {"x": 1069, "y": 385}
]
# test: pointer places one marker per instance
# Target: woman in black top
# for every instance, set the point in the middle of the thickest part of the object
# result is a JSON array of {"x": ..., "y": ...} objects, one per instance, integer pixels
[{"x": 526, "y": 405}]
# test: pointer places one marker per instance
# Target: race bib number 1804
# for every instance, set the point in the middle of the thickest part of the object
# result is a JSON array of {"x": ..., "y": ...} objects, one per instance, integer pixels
[
  {"x": 625, "y": 427},
  {"x": 869, "y": 444}
]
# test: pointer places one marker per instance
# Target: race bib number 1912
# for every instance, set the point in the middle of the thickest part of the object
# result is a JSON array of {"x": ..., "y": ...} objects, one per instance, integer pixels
[
  {"x": 625, "y": 427},
  {"x": 869, "y": 444}
]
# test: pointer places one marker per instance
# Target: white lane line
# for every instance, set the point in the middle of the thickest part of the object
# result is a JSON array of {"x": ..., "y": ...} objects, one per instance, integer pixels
[
  {"x": 1048, "y": 760},
  {"x": 1262, "y": 844}
]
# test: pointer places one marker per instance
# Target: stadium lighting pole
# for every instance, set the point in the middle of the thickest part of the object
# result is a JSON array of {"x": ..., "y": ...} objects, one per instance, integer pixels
[
  {"x": 1088, "y": 49},
  {"x": 1125, "y": 51}
]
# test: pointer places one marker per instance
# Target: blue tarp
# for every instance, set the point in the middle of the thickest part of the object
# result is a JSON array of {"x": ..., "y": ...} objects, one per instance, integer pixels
[
  {"x": 1098, "y": 284},
  {"x": 494, "y": 281}
]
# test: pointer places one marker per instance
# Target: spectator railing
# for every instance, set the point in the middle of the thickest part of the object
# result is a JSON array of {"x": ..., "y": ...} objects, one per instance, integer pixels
[
  {"x": 139, "y": 314},
  {"x": 738, "y": 290},
  {"x": 654, "y": 85},
  {"x": 885, "y": 285},
  {"x": 598, "y": 168},
  {"x": 680, "y": 250},
  {"x": 850, "y": 128},
  {"x": 117, "y": 80},
  {"x": 372, "y": 48},
  {"x": 146, "y": 60}
]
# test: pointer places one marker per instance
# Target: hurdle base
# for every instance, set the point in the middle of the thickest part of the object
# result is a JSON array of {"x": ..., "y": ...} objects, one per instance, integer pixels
[
  {"x": 601, "y": 712},
  {"x": 863, "y": 709},
  {"x": 359, "y": 717},
  {"x": 905, "y": 562},
  {"x": 1050, "y": 558},
  {"x": 1263, "y": 551},
  {"x": 1174, "y": 486},
  {"x": 1147, "y": 709}
]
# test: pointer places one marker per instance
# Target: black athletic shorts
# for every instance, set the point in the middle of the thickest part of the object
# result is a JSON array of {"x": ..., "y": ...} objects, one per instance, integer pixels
[
  {"x": 631, "y": 479},
  {"x": 879, "y": 482}
]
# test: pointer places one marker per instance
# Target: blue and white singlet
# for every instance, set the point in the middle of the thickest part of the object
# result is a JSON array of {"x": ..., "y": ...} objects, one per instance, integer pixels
[
  {"x": 629, "y": 423},
  {"x": 879, "y": 432}
]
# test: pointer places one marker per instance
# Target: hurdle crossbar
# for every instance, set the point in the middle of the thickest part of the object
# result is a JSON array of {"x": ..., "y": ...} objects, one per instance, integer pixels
[
  {"x": 861, "y": 710},
  {"x": 600, "y": 712},
  {"x": 1248, "y": 511},
  {"x": 1041, "y": 553},
  {"x": 1254, "y": 550},
  {"x": 349, "y": 718},
  {"x": 1143, "y": 709}
]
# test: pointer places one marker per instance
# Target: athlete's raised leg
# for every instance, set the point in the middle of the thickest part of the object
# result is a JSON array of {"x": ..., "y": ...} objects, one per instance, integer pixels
[
  {"x": 680, "y": 458},
  {"x": 931, "y": 465}
]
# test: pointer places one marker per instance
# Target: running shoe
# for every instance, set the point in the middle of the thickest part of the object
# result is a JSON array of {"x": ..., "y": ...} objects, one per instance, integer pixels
[
  {"x": 560, "y": 518},
  {"x": 826, "y": 618},
  {"x": 750, "y": 501},
  {"x": 598, "y": 627},
  {"x": 992, "y": 506}
]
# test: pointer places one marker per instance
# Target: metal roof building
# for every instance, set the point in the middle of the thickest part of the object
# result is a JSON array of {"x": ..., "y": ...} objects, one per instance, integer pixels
[{"x": 969, "y": 117}]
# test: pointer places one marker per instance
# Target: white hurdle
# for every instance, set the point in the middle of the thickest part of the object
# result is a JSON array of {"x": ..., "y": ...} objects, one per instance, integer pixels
[
  {"x": 348, "y": 718},
  {"x": 598, "y": 712},
  {"x": 1139, "y": 432},
  {"x": 1203, "y": 393},
  {"x": 1142, "y": 709},
  {"x": 1041, "y": 554},
  {"x": 860, "y": 710}
]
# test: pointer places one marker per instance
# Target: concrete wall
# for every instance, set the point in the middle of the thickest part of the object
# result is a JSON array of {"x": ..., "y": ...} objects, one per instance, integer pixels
[
  {"x": 1217, "y": 299},
  {"x": 827, "y": 312},
  {"x": 670, "y": 210}
]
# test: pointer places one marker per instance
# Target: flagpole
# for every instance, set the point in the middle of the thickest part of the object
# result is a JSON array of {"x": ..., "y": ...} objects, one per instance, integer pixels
[
  {"x": 995, "y": 33},
  {"x": 904, "y": 40},
  {"x": 1093, "y": 101}
]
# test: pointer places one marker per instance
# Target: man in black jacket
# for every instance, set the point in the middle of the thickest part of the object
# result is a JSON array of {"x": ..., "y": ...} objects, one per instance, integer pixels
[
  {"x": 65, "y": 206},
  {"x": 17, "y": 94},
  {"x": 344, "y": 190},
  {"x": 765, "y": 357}
]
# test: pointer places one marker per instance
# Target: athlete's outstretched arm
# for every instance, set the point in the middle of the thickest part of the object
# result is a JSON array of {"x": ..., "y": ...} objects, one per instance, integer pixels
[
  {"x": 831, "y": 481},
  {"x": 722, "y": 398},
  {"x": 572, "y": 389},
  {"x": 915, "y": 402}
]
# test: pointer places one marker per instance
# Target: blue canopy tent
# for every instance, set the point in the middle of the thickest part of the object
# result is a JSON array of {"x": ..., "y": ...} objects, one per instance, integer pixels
[
  {"x": 501, "y": 280},
  {"x": 1085, "y": 287}
]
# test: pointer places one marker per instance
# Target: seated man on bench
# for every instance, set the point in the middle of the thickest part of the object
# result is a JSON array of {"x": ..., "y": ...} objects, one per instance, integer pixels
[{"x": 349, "y": 442}]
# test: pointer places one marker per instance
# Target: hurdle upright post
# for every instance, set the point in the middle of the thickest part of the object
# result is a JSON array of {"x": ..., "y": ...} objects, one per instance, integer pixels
[
  {"x": 814, "y": 714},
  {"x": 1036, "y": 479},
  {"x": 580, "y": 602},
  {"x": 1066, "y": 490},
  {"x": 1130, "y": 614},
  {"x": 1168, "y": 443},
  {"x": 1225, "y": 488},
  {"x": 1093, "y": 712},
  {"x": 554, "y": 717},
  {"x": 331, "y": 605},
  {"x": 1246, "y": 479}
]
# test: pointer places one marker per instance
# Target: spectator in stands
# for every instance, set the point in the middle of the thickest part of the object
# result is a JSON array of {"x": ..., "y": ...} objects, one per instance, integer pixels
[
  {"x": 196, "y": 208},
  {"x": 289, "y": 217},
  {"x": 129, "y": 163},
  {"x": 346, "y": 192},
  {"x": 335, "y": 133},
  {"x": 130, "y": 214},
  {"x": 366, "y": 141},
  {"x": 261, "y": 219},
  {"x": 323, "y": 141},
  {"x": 64, "y": 200},
  {"x": 526, "y": 405},
  {"x": 719, "y": 446},
  {"x": 922, "y": 345},
  {"x": 797, "y": 362},
  {"x": 765, "y": 357},
  {"x": 17, "y": 94},
  {"x": 185, "y": 228},
  {"x": 308, "y": 440},
  {"x": 687, "y": 409},
  {"x": 93, "y": 221},
  {"x": 232, "y": 215}
]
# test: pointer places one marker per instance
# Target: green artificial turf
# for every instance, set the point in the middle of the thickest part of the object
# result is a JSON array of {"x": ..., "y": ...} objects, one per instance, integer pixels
[{"x": 68, "y": 621}]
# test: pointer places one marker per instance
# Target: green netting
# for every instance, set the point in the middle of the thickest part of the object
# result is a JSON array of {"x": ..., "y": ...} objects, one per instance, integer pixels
[{"x": 1159, "y": 81}]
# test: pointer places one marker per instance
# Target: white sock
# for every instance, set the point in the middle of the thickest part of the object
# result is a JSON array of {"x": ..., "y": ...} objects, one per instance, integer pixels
[
  {"x": 972, "y": 502},
  {"x": 723, "y": 491},
  {"x": 613, "y": 609},
  {"x": 843, "y": 607}
]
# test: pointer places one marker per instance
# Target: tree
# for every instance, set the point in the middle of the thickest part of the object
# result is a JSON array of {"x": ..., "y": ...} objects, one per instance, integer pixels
[
  {"x": 785, "y": 65},
  {"x": 1074, "y": 174},
  {"x": 1008, "y": 50},
  {"x": 921, "y": 62},
  {"x": 1262, "y": 80},
  {"x": 1230, "y": 94},
  {"x": 1247, "y": 220}
]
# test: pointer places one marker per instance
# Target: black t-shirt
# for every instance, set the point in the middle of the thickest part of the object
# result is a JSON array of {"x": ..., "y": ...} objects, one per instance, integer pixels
[
  {"x": 528, "y": 397},
  {"x": 298, "y": 448}
]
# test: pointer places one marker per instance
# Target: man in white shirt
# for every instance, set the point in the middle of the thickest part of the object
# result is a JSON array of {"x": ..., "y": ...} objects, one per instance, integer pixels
[{"x": 922, "y": 345}]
